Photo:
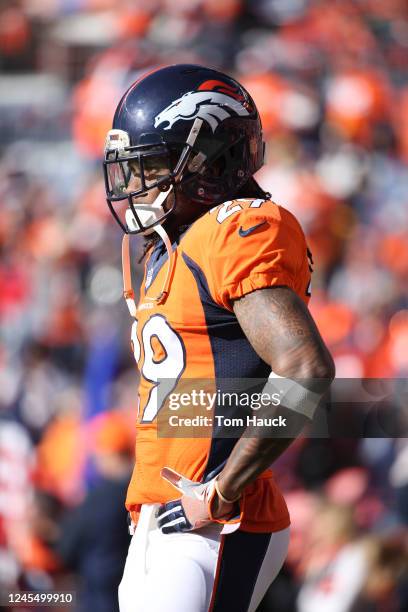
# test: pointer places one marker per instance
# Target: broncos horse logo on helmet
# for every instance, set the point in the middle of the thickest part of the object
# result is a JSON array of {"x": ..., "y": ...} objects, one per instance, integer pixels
[{"x": 211, "y": 106}]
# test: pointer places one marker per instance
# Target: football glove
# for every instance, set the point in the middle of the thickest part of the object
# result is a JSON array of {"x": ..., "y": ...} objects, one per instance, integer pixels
[{"x": 193, "y": 509}]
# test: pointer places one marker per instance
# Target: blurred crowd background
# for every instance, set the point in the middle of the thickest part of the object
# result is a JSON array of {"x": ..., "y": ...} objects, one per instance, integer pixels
[{"x": 330, "y": 80}]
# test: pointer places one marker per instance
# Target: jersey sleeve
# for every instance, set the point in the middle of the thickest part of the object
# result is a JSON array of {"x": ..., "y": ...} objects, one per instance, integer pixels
[{"x": 255, "y": 248}]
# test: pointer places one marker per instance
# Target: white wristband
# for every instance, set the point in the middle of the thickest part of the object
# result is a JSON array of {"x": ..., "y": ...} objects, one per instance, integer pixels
[{"x": 293, "y": 395}]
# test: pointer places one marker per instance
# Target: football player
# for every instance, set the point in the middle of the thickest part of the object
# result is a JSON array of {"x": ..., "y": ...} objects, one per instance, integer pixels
[{"x": 224, "y": 295}]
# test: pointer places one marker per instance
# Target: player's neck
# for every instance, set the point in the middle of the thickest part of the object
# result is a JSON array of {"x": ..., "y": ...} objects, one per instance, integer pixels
[{"x": 183, "y": 215}]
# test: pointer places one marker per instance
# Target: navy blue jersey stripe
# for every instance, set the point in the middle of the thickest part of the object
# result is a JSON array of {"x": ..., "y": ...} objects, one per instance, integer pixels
[
  {"x": 155, "y": 263},
  {"x": 234, "y": 358},
  {"x": 159, "y": 257}
]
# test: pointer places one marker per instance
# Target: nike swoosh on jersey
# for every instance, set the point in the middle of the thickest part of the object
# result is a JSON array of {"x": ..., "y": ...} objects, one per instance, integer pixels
[{"x": 248, "y": 231}]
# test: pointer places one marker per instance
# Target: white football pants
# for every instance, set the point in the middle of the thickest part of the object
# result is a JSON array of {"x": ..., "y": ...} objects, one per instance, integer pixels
[{"x": 200, "y": 571}]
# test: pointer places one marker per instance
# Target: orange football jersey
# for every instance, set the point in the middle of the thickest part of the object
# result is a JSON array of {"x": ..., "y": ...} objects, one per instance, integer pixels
[{"x": 235, "y": 248}]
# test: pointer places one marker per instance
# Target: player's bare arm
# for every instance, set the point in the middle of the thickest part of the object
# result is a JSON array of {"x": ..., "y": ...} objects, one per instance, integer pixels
[{"x": 280, "y": 328}]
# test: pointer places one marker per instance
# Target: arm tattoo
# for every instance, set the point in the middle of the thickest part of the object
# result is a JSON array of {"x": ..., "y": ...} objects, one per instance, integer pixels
[
  {"x": 288, "y": 316},
  {"x": 280, "y": 328}
]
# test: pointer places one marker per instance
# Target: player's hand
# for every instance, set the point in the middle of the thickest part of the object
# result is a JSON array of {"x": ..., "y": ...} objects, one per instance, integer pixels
[{"x": 192, "y": 510}]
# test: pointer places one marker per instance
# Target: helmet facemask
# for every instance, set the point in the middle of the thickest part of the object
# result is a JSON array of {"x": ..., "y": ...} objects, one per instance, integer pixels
[{"x": 131, "y": 172}]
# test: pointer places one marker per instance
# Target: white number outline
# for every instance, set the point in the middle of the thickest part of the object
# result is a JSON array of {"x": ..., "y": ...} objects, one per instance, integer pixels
[
  {"x": 151, "y": 407},
  {"x": 224, "y": 212}
]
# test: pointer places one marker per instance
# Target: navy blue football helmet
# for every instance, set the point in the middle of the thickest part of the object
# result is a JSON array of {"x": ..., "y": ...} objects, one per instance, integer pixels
[{"x": 183, "y": 127}]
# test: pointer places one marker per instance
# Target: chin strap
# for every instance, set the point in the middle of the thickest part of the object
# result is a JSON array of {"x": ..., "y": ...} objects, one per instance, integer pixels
[
  {"x": 172, "y": 258},
  {"x": 128, "y": 292}
]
